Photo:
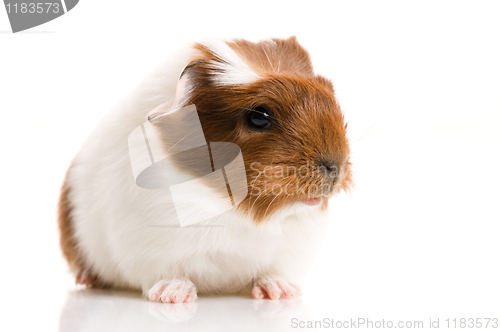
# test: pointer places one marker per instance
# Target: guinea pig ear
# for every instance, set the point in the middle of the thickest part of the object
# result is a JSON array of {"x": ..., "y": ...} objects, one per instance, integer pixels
[{"x": 181, "y": 99}]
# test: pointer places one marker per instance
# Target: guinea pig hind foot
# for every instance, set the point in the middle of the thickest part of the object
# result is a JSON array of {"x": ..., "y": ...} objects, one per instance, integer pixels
[
  {"x": 88, "y": 279},
  {"x": 179, "y": 290}
]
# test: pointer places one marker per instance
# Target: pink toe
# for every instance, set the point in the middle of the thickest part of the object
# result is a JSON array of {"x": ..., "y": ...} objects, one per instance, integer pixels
[
  {"x": 274, "y": 295},
  {"x": 257, "y": 293},
  {"x": 190, "y": 298}
]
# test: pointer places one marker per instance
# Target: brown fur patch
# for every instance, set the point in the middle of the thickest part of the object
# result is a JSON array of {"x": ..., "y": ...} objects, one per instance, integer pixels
[
  {"x": 67, "y": 240},
  {"x": 284, "y": 56},
  {"x": 68, "y": 243}
]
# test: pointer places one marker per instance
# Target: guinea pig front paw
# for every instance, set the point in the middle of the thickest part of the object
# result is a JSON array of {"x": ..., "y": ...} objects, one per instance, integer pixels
[
  {"x": 173, "y": 291},
  {"x": 274, "y": 288}
]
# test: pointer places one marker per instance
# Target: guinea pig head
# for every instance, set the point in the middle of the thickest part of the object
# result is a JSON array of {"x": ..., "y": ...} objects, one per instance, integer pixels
[{"x": 265, "y": 98}]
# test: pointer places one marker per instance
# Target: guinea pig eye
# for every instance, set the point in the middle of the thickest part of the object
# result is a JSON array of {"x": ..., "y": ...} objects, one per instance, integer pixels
[{"x": 259, "y": 118}]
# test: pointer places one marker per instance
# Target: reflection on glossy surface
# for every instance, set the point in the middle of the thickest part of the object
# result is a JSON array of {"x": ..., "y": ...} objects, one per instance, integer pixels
[{"x": 95, "y": 310}]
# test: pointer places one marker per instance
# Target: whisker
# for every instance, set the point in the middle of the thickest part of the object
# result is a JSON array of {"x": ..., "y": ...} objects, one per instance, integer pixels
[
  {"x": 252, "y": 110},
  {"x": 268, "y": 58},
  {"x": 302, "y": 231},
  {"x": 265, "y": 213},
  {"x": 284, "y": 232}
]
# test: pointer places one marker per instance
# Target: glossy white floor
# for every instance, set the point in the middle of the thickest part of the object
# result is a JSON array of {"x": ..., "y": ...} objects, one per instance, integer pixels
[
  {"x": 103, "y": 311},
  {"x": 416, "y": 240}
]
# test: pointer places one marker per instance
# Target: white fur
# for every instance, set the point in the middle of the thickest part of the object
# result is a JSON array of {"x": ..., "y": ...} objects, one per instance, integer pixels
[
  {"x": 127, "y": 236},
  {"x": 234, "y": 69}
]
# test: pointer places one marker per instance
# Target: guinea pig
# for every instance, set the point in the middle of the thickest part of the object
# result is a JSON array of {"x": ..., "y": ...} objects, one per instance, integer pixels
[{"x": 265, "y": 98}]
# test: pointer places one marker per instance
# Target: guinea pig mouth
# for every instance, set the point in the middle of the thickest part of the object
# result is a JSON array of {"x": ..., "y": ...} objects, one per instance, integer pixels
[{"x": 312, "y": 200}]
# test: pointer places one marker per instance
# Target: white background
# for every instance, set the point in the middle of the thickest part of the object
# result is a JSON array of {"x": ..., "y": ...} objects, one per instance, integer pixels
[{"x": 419, "y": 82}]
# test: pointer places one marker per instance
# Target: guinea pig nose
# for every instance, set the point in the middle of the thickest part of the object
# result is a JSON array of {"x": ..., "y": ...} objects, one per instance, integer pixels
[{"x": 329, "y": 167}]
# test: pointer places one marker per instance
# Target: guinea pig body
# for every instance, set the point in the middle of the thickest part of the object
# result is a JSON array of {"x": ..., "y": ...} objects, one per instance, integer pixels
[{"x": 117, "y": 234}]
